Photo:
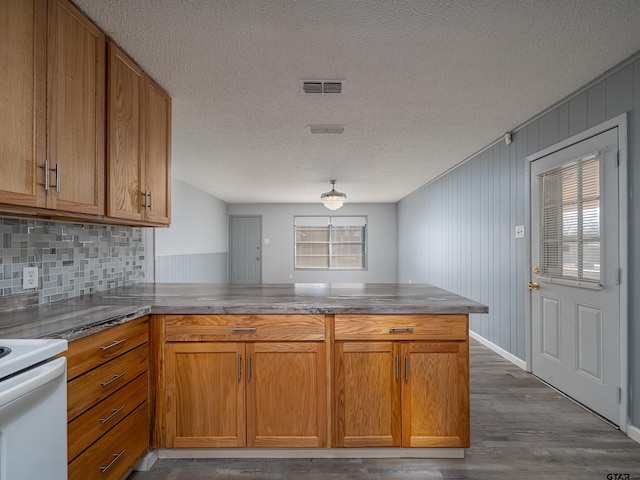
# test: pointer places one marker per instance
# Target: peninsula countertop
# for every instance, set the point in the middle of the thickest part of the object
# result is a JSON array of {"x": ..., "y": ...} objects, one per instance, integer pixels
[{"x": 80, "y": 316}]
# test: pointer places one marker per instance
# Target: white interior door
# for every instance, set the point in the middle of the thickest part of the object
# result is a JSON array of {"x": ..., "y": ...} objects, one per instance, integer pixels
[
  {"x": 575, "y": 303},
  {"x": 245, "y": 253}
]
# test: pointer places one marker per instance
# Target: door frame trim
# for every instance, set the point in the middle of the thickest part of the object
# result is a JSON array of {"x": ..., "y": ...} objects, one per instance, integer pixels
[
  {"x": 229, "y": 259},
  {"x": 619, "y": 122}
]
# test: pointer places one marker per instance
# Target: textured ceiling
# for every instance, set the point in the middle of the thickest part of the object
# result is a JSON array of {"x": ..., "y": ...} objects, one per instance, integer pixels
[{"x": 427, "y": 83}]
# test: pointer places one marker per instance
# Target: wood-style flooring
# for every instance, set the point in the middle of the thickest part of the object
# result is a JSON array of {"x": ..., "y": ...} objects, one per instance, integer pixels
[{"x": 520, "y": 429}]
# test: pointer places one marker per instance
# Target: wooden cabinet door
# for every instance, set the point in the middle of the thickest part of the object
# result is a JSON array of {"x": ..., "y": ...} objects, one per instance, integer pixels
[
  {"x": 22, "y": 101},
  {"x": 157, "y": 151},
  {"x": 435, "y": 394},
  {"x": 286, "y": 394},
  {"x": 205, "y": 395},
  {"x": 125, "y": 147},
  {"x": 367, "y": 394},
  {"x": 76, "y": 111}
]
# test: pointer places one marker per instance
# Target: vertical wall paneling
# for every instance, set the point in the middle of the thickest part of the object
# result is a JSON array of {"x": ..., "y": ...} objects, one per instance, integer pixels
[
  {"x": 548, "y": 129},
  {"x": 578, "y": 118},
  {"x": 457, "y": 232},
  {"x": 634, "y": 241},
  {"x": 597, "y": 105}
]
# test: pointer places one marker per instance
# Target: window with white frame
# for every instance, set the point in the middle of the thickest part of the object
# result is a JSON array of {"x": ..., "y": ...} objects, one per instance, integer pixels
[
  {"x": 330, "y": 243},
  {"x": 570, "y": 221}
]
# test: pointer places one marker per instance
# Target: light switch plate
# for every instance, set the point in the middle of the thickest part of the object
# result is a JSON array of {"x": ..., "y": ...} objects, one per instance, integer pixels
[{"x": 29, "y": 277}]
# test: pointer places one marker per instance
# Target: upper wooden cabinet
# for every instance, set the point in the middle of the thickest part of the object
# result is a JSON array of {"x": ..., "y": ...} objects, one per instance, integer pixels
[
  {"x": 53, "y": 104},
  {"x": 139, "y": 143},
  {"x": 22, "y": 101},
  {"x": 75, "y": 111}
]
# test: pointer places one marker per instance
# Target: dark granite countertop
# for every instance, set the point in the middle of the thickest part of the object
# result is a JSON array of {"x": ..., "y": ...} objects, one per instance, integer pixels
[{"x": 81, "y": 316}]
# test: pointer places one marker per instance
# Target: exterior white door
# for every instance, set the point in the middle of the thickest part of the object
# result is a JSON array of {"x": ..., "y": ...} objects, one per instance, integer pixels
[
  {"x": 245, "y": 253},
  {"x": 575, "y": 282}
]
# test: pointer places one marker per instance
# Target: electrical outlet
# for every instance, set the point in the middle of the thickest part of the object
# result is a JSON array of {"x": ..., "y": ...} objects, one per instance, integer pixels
[
  {"x": 29, "y": 277},
  {"x": 519, "y": 231}
]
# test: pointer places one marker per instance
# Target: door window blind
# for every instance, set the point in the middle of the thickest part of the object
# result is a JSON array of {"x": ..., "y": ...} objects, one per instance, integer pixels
[{"x": 569, "y": 216}]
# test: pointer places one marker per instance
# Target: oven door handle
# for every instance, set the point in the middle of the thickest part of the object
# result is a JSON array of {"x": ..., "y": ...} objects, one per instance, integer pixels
[{"x": 35, "y": 378}]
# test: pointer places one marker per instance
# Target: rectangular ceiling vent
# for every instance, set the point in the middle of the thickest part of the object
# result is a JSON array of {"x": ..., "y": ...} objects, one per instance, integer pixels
[
  {"x": 322, "y": 86},
  {"x": 326, "y": 129}
]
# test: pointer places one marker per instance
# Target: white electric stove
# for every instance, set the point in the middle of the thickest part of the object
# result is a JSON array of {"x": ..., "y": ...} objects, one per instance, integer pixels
[{"x": 33, "y": 409}]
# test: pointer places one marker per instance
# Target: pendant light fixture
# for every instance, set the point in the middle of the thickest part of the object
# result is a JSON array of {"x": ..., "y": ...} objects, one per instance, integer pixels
[{"x": 333, "y": 200}]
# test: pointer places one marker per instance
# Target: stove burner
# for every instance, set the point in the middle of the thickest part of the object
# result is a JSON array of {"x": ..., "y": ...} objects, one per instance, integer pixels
[{"x": 4, "y": 351}]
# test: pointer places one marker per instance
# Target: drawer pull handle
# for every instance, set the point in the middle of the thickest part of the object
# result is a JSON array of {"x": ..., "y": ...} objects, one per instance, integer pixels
[
  {"x": 115, "y": 377},
  {"x": 115, "y": 411},
  {"x": 116, "y": 456},
  {"x": 114, "y": 344},
  {"x": 400, "y": 329},
  {"x": 243, "y": 330}
]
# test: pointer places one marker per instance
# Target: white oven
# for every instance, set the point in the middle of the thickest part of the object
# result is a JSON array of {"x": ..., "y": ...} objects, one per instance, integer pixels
[{"x": 33, "y": 410}]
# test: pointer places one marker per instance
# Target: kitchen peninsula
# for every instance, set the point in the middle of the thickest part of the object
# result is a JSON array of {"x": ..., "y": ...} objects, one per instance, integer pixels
[{"x": 316, "y": 367}]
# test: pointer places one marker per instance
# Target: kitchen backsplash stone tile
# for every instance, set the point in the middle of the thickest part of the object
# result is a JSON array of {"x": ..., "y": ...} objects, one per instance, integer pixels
[{"x": 72, "y": 258}]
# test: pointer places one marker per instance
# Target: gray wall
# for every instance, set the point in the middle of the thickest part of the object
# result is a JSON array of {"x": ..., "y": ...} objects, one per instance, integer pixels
[
  {"x": 278, "y": 255},
  {"x": 458, "y": 231},
  {"x": 194, "y": 249}
]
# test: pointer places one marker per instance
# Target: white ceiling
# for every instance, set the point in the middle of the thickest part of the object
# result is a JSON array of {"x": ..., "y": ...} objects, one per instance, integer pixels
[{"x": 427, "y": 83}]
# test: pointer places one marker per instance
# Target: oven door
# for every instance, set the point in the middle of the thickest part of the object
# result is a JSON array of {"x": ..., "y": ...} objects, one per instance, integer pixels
[{"x": 33, "y": 423}]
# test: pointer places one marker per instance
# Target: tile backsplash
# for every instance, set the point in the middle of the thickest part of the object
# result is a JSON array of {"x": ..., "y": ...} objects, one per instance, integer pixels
[{"x": 72, "y": 258}]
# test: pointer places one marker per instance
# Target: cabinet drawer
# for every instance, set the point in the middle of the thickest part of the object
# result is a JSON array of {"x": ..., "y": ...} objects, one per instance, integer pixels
[
  {"x": 401, "y": 327},
  {"x": 115, "y": 453},
  {"x": 87, "y": 390},
  {"x": 101, "y": 418},
  {"x": 94, "y": 350},
  {"x": 246, "y": 328}
]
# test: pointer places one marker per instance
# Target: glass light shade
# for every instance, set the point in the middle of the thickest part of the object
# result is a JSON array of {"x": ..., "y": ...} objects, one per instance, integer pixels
[{"x": 333, "y": 200}]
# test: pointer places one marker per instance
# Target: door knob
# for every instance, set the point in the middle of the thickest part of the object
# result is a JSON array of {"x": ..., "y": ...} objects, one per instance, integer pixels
[{"x": 534, "y": 286}]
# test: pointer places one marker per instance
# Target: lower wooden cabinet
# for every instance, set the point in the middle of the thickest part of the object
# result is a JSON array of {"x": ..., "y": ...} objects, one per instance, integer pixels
[
  {"x": 235, "y": 394},
  {"x": 367, "y": 394},
  {"x": 367, "y": 381},
  {"x": 107, "y": 401},
  {"x": 115, "y": 453},
  {"x": 401, "y": 381},
  {"x": 435, "y": 394}
]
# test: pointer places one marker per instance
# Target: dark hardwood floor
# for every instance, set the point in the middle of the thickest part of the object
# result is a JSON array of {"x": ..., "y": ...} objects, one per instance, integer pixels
[{"x": 520, "y": 429}]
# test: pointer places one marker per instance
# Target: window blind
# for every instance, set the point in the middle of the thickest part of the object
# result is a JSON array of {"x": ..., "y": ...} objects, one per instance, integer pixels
[{"x": 569, "y": 217}]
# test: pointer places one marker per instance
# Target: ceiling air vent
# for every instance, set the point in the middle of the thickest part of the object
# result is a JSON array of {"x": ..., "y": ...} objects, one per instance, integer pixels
[
  {"x": 326, "y": 129},
  {"x": 322, "y": 86}
]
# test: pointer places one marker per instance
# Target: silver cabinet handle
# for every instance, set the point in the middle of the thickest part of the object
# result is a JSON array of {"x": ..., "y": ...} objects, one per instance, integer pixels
[
  {"x": 400, "y": 329},
  {"x": 397, "y": 366},
  {"x": 406, "y": 368},
  {"x": 239, "y": 367},
  {"x": 58, "y": 175},
  {"x": 115, "y": 377},
  {"x": 46, "y": 175},
  {"x": 249, "y": 369},
  {"x": 114, "y": 344},
  {"x": 116, "y": 456},
  {"x": 244, "y": 330},
  {"x": 144, "y": 205},
  {"x": 114, "y": 412},
  {"x": 150, "y": 200}
]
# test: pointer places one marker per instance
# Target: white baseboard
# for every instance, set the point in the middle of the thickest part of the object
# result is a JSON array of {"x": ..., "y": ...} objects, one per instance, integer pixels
[
  {"x": 311, "y": 453},
  {"x": 633, "y": 433},
  {"x": 518, "y": 362},
  {"x": 146, "y": 462}
]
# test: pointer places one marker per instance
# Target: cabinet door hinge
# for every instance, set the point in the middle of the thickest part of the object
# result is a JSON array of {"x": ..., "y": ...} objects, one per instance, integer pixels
[
  {"x": 618, "y": 276},
  {"x": 619, "y": 395}
]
